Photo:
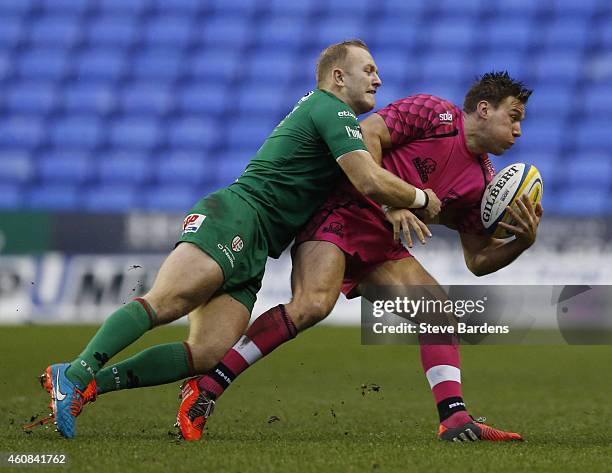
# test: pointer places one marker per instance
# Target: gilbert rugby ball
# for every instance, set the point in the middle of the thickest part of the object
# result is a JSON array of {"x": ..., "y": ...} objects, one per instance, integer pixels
[{"x": 503, "y": 191}]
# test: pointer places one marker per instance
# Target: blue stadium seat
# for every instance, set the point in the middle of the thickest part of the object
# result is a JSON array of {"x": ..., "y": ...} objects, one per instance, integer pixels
[
  {"x": 447, "y": 90},
  {"x": 111, "y": 198},
  {"x": 6, "y": 64},
  {"x": 158, "y": 64},
  {"x": 193, "y": 132},
  {"x": 55, "y": 31},
  {"x": 54, "y": 197},
  {"x": 245, "y": 134},
  {"x": 584, "y": 202},
  {"x": 593, "y": 134},
  {"x": 445, "y": 66},
  {"x": 190, "y": 7},
  {"x": 561, "y": 67},
  {"x": 124, "y": 7},
  {"x": 403, "y": 10},
  {"x": 169, "y": 31},
  {"x": 240, "y": 8},
  {"x": 391, "y": 32},
  {"x": 507, "y": 34},
  {"x": 507, "y": 60},
  {"x": 231, "y": 165},
  {"x": 270, "y": 66},
  {"x": 339, "y": 8},
  {"x": 28, "y": 97},
  {"x": 76, "y": 131},
  {"x": 231, "y": 31},
  {"x": 468, "y": 8},
  {"x": 134, "y": 133},
  {"x": 204, "y": 98},
  {"x": 21, "y": 131},
  {"x": 389, "y": 93},
  {"x": 43, "y": 63},
  {"x": 122, "y": 166},
  {"x": 299, "y": 9},
  {"x": 572, "y": 8},
  {"x": 395, "y": 68},
  {"x": 547, "y": 136},
  {"x": 146, "y": 98},
  {"x": 16, "y": 167},
  {"x": 283, "y": 32},
  {"x": 597, "y": 100},
  {"x": 100, "y": 64},
  {"x": 554, "y": 100},
  {"x": 566, "y": 33},
  {"x": 64, "y": 167},
  {"x": 10, "y": 196},
  {"x": 215, "y": 64},
  {"x": 89, "y": 98},
  {"x": 604, "y": 34},
  {"x": 172, "y": 197},
  {"x": 594, "y": 169},
  {"x": 507, "y": 9},
  {"x": 184, "y": 168},
  {"x": 257, "y": 99},
  {"x": 65, "y": 8},
  {"x": 452, "y": 34},
  {"x": 11, "y": 30},
  {"x": 331, "y": 31},
  {"x": 113, "y": 30},
  {"x": 12, "y": 7}
]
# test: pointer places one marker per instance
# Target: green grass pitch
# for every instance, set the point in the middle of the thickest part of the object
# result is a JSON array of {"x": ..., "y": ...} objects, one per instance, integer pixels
[{"x": 304, "y": 409}]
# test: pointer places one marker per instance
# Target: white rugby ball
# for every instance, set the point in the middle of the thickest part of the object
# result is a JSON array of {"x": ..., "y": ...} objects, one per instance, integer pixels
[{"x": 503, "y": 191}]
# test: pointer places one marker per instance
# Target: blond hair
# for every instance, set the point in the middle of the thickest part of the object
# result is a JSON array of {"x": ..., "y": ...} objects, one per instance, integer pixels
[{"x": 335, "y": 55}]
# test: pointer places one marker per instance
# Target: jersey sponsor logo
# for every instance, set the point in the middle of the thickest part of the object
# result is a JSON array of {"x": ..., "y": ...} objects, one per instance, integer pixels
[
  {"x": 192, "y": 222},
  {"x": 237, "y": 244},
  {"x": 424, "y": 167},
  {"x": 353, "y": 132},
  {"x": 335, "y": 228},
  {"x": 446, "y": 117},
  {"x": 228, "y": 254},
  {"x": 346, "y": 114}
]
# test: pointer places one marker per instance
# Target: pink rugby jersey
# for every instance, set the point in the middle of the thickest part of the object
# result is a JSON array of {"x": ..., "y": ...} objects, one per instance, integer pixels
[{"x": 429, "y": 151}]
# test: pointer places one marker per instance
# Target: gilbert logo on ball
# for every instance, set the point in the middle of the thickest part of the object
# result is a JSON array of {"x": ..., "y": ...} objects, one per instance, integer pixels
[{"x": 503, "y": 191}]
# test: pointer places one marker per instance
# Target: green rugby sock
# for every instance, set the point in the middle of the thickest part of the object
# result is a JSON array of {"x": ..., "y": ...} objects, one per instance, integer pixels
[
  {"x": 160, "y": 364},
  {"x": 122, "y": 328}
]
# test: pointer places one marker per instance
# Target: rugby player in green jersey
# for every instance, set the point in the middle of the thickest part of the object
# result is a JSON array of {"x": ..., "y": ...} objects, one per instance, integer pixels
[{"x": 219, "y": 261}]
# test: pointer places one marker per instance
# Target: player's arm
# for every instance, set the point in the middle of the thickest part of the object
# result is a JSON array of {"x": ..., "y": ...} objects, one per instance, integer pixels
[
  {"x": 484, "y": 255},
  {"x": 382, "y": 186},
  {"x": 376, "y": 136}
]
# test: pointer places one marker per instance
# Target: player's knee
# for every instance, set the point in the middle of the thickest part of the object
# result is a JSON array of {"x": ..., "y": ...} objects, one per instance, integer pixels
[
  {"x": 169, "y": 307},
  {"x": 203, "y": 357},
  {"x": 310, "y": 310}
]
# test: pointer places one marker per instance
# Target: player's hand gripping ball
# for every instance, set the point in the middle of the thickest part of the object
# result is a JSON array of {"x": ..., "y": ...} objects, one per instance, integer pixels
[{"x": 503, "y": 191}]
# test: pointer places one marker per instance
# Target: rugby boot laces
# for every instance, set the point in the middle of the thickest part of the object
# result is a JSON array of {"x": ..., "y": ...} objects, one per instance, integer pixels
[{"x": 195, "y": 409}]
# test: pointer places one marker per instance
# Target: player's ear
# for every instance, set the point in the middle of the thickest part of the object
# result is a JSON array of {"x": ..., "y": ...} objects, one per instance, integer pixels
[
  {"x": 483, "y": 109},
  {"x": 338, "y": 76}
]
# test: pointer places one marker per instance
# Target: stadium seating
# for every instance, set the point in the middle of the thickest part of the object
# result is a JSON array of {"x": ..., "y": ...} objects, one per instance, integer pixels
[{"x": 111, "y": 105}]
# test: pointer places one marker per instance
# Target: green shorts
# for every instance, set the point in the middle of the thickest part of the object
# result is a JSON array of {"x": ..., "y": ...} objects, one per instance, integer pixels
[{"x": 228, "y": 229}]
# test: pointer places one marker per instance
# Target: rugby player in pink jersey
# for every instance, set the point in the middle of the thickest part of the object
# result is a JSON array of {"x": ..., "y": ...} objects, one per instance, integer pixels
[{"x": 351, "y": 242}]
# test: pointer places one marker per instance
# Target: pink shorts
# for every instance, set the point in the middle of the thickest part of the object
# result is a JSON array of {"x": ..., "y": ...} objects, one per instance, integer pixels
[{"x": 360, "y": 230}]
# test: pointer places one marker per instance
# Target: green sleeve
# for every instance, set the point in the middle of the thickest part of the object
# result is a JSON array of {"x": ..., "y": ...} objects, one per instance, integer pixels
[{"x": 338, "y": 125}]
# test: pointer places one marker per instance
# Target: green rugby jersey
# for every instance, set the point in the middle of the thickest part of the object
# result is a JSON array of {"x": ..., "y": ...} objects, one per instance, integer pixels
[{"x": 295, "y": 169}]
